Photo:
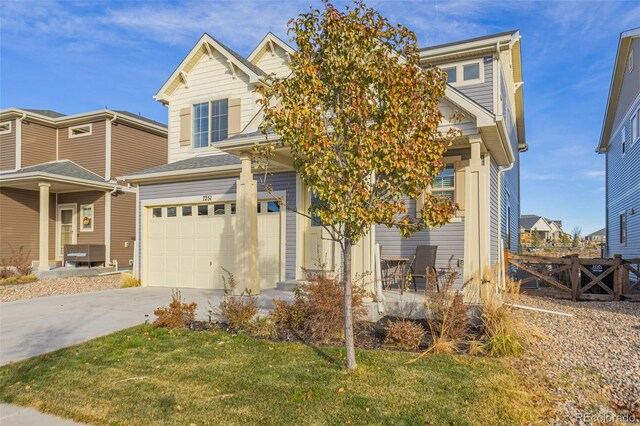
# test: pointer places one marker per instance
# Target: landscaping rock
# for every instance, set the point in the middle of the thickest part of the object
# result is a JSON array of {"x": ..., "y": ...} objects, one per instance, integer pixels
[
  {"x": 591, "y": 360},
  {"x": 59, "y": 286}
]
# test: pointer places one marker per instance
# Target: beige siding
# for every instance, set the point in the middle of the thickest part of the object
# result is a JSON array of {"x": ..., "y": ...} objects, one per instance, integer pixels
[
  {"x": 89, "y": 197},
  {"x": 133, "y": 150},
  {"x": 123, "y": 227},
  {"x": 209, "y": 79},
  {"x": 467, "y": 125},
  {"x": 20, "y": 218},
  {"x": 8, "y": 149},
  {"x": 276, "y": 63},
  {"x": 87, "y": 151},
  {"x": 38, "y": 144}
]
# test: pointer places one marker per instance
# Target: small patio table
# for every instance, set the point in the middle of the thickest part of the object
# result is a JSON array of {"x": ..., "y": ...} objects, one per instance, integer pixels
[{"x": 396, "y": 271}]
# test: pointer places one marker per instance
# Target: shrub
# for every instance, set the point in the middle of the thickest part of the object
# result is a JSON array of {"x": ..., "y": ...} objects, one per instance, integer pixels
[
  {"x": 404, "y": 334},
  {"x": 177, "y": 315},
  {"x": 262, "y": 327},
  {"x": 128, "y": 280},
  {"x": 325, "y": 297},
  {"x": 447, "y": 315},
  {"x": 18, "y": 279},
  {"x": 291, "y": 316},
  {"x": 504, "y": 329},
  {"x": 6, "y": 271},
  {"x": 20, "y": 260},
  {"x": 238, "y": 310}
]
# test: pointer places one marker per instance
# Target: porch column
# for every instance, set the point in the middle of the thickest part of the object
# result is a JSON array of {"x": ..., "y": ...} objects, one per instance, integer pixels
[
  {"x": 476, "y": 221},
  {"x": 43, "y": 258},
  {"x": 246, "y": 238}
]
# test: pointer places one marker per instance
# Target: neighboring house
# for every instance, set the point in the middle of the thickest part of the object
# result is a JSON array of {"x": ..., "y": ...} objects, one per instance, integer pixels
[
  {"x": 546, "y": 229},
  {"x": 58, "y": 180},
  {"x": 600, "y": 236},
  {"x": 207, "y": 209},
  {"x": 620, "y": 142}
]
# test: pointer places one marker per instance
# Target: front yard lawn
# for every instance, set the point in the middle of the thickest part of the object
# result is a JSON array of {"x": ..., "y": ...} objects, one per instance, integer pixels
[{"x": 155, "y": 376}]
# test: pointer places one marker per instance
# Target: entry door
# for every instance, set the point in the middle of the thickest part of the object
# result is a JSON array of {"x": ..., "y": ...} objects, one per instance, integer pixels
[
  {"x": 66, "y": 227},
  {"x": 319, "y": 250}
]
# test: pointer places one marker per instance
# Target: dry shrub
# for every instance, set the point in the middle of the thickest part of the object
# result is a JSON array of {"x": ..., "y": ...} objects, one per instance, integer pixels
[
  {"x": 18, "y": 279},
  {"x": 503, "y": 327},
  {"x": 177, "y": 315},
  {"x": 290, "y": 316},
  {"x": 404, "y": 334},
  {"x": 20, "y": 260},
  {"x": 511, "y": 290},
  {"x": 447, "y": 315},
  {"x": 238, "y": 310},
  {"x": 5, "y": 271},
  {"x": 128, "y": 280},
  {"x": 325, "y": 298},
  {"x": 262, "y": 327}
]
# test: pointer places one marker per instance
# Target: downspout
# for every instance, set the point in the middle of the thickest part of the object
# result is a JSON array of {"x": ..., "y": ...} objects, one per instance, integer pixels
[
  {"x": 18, "y": 163},
  {"x": 502, "y": 279}
]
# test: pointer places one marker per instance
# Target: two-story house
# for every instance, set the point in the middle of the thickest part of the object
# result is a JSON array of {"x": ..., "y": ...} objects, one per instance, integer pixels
[
  {"x": 620, "y": 142},
  {"x": 207, "y": 209},
  {"x": 58, "y": 181}
]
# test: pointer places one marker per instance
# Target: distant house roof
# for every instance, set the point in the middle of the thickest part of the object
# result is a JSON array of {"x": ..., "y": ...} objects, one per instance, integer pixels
[
  {"x": 64, "y": 168},
  {"x": 624, "y": 44},
  {"x": 599, "y": 233},
  {"x": 45, "y": 112},
  {"x": 527, "y": 221},
  {"x": 203, "y": 162},
  {"x": 140, "y": 117},
  {"x": 471, "y": 40}
]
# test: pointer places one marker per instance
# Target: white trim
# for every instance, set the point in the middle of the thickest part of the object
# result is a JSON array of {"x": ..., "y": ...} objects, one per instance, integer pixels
[
  {"x": 136, "y": 244},
  {"x": 55, "y": 178},
  {"x": 93, "y": 217},
  {"x": 269, "y": 38},
  {"x": 107, "y": 228},
  {"x": 623, "y": 122},
  {"x": 630, "y": 60},
  {"x": 69, "y": 206},
  {"x": 79, "y": 135},
  {"x": 57, "y": 143},
  {"x": 299, "y": 228},
  {"x": 107, "y": 153},
  {"x": 19, "y": 141},
  {"x": 7, "y": 130}
]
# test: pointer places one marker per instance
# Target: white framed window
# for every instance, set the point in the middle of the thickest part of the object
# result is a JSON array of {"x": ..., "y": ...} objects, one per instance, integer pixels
[
  {"x": 444, "y": 185},
  {"x": 86, "y": 218},
  {"x": 463, "y": 73},
  {"x": 210, "y": 122},
  {"x": 623, "y": 141},
  {"x": 635, "y": 127},
  {"x": 630, "y": 61},
  {"x": 5, "y": 127},
  {"x": 81, "y": 130}
]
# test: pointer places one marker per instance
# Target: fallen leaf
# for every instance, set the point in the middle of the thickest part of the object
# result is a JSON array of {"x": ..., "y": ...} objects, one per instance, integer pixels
[
  {"x": 225, "y": 396},
  {"x": 27, "y": 388},
  {"x": 308, "y": 396},
  {"x": 340, "y": 390},
  {"x": 179, "y": 408},
  {"x": 366, "y": 409}
]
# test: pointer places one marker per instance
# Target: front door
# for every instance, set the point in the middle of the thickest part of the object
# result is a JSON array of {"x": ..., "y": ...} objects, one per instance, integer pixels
[
  {"x": 66, "y": 231},
  {"x": 320, "y": 250}
]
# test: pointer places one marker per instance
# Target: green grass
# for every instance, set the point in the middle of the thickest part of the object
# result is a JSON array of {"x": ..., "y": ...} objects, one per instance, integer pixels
[{"x": 154, "y": 376}]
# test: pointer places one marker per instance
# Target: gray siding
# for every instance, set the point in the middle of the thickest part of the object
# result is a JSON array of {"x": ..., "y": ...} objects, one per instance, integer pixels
[
  {"x": 482, "y": 93},
  {"x": 630, "y": 86},
  {"x": 623, "y": 189},
  {"x": 227, "y": 186},
  {"x": 449, "y": 239}
]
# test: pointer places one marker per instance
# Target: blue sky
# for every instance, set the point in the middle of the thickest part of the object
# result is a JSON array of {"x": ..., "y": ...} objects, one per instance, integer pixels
[{"x": 79, "y": 56}]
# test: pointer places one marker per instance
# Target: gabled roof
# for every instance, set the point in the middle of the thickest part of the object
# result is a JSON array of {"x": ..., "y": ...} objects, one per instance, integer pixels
[
  {"x": 624, "y": 44},
  {"x": 45, "y": 112},
  {"x": 192, "y": 166},
  {"x": 599, "y": 233},
  {"x": 269, "y": 38},
  {"x": 66, "y": 168},
  {"x": 476, "y": 40},
  {"x": 528, "y": 221},
  {"x": 205, "y": 46}
]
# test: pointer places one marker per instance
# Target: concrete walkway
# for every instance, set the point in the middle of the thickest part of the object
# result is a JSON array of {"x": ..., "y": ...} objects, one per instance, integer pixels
[
  {"x": 12, "y": 415},
  {"x": 37, "y": 326}
]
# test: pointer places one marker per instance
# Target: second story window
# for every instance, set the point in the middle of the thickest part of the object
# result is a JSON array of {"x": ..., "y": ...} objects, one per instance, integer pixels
[
  {"x": 463, "y": 73},
  {"x": 78, "y": 131},
  {"x": 5, "y": 127},
  {"x": 210, "y": 122},
  {"x": 623, "y": 228},
  {"x": 635, "y": 125}
]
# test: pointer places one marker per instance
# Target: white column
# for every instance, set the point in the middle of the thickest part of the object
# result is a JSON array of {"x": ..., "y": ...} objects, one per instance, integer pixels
[
  {"x": 107, "y": 226},
  {"x": 246, "y": 238},
  {"x": 44, "y": 227},
  {"x": 476, "y": 222}
]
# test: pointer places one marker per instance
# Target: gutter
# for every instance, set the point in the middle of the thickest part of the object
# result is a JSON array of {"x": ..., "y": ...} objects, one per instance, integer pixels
[
  {"x": 179, "y": 173},
  {"x": 502, "y": 279},
  {"x": 19, "y": 141},
  {"x": 55, "y": 178}
]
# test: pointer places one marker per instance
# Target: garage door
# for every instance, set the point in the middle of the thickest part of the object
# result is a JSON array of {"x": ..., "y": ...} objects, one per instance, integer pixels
[{"x": 189, "y": 245}]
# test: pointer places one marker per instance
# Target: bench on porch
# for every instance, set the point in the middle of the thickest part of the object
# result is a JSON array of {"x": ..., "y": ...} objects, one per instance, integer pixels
[{"x": 84, "y": 253}]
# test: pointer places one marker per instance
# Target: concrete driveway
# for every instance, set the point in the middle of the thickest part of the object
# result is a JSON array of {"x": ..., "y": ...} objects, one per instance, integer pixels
[{"x": 37, "y": 326}]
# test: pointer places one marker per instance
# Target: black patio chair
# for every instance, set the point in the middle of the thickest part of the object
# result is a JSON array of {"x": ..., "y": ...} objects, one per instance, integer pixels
[{"x": 424, "y": 263}]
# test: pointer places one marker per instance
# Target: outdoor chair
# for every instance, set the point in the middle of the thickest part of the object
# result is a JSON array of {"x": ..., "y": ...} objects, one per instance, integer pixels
[{"x": 424, "y": 263}]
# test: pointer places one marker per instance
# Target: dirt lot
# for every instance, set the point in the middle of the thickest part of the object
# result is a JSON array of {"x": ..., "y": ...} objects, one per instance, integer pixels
[{"x": 53, "y": 287}]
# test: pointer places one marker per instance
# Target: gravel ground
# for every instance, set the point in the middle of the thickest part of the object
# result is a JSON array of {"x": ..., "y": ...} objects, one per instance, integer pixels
[
  {"x": 591, "y": 361},
  {"x": 53, "y": 287}
]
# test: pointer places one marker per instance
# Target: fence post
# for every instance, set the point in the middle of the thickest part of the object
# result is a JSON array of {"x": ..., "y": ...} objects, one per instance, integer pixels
[
  {"x": 617, "y": 276},
  {"x": 575, "y": 277}
]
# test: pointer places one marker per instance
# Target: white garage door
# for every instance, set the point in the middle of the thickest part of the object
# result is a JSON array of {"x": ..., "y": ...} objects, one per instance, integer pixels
[{"x": 189, "y": 245}]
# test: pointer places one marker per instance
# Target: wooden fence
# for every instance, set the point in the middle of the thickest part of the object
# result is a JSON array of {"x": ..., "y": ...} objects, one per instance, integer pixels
[{"x": 580, "y": 278}]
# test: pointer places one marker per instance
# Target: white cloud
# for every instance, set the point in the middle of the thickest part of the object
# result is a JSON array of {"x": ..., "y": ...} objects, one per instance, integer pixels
[{"x": 594, "y": 174}]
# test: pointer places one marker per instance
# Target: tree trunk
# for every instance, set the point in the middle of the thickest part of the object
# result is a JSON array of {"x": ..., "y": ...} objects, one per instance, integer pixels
[{"x": 348, "y": 311}]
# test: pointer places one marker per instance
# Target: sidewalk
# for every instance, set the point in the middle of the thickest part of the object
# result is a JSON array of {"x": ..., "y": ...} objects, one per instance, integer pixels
[{"x": 12, "y": 415}]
